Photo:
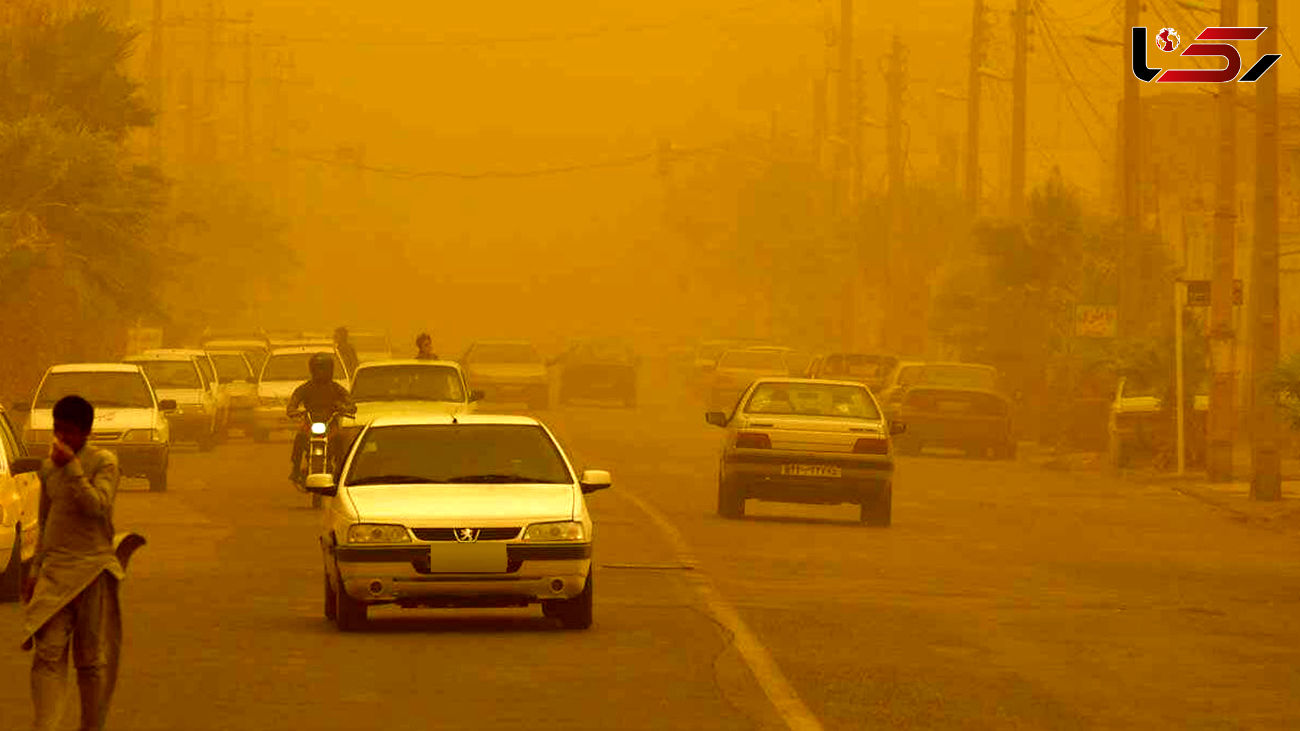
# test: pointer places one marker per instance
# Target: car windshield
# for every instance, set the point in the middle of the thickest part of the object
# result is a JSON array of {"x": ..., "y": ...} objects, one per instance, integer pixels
[
  {"x": 369, "y": 343},
  {"x": 170, "y": 373},
  {"x": 231, "y": 366},
  {"x": 293, "y": 367},
  {"x": 753, "y": 360},
  {"x": 960, "y": 376},
  {"x": 457, "y": 454},
  {"x": 812, "y": 399},
  {"x": 408, "y": 383},
  {"x": 504, "y": 353},
  {"x": 101, "y": 389}
]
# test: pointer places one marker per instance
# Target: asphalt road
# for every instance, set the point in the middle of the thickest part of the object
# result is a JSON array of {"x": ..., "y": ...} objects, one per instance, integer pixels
[{"x": 1004, "y": 596}]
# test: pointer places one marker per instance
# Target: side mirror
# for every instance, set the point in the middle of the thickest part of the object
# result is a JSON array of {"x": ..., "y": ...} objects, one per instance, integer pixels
[
  {"x": 476, "y": 395},
  {"x": 716, "y": 418},
  {"x": 593, "y": 480},
  {"x": 167, "y": 404},
  {"x": 896, "y": 428},
  {"x": 22, "y": 406},
  {"x": 23, "y": 465},
  {"x": 321, "y": 484}
]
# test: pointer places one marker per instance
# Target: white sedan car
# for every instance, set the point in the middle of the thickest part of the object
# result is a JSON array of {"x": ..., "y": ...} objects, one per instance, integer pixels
[
  {"x": 467, "y": 510},
  {"x": 386, "y": 388}
]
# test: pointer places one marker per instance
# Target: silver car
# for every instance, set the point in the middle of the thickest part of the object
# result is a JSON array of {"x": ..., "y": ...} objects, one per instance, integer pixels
[{"x": 799, "y": 440}]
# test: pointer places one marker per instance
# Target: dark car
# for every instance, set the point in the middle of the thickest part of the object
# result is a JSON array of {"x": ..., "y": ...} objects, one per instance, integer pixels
[
  {"x": 598, "y": 369},
  {"x": 953, "y": 405},
  {"x": 869, "y": 369}
]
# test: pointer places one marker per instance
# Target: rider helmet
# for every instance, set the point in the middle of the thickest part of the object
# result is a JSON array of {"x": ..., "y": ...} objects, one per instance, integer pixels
[{"x": 321, "y": 366}]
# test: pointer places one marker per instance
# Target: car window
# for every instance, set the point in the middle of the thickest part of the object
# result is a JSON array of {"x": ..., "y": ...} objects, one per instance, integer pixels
[
  {"x": 231, "y": 366},
  {"x": 171, "y": 373},
  {"x": 753, "y": 360},
  {"x": 256, "y": 358},
  {"x": 408, "y": 383},
  {"x": 812, "y": 399},
  {"x": 9, "y": 449},
  {"x": 457, "y": 453},
  {"x": 206, "y": 368},
  {"x": 503, "y": 353},
  {"x": 101, "y": 389},
  {"x": 293, "y": 367}
]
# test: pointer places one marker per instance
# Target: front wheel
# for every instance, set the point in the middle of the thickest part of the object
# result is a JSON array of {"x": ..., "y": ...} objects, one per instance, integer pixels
[
  {"x": 877, "y": 507},
  {"x": 158, "y": 480},
  {"x": 731, "y": 500},
  {"x": 349, "y": 613},
  {"x": 331, "y": 602},
  {"x": 11, "y": 581},
  {"x": 575, "y": 613}
]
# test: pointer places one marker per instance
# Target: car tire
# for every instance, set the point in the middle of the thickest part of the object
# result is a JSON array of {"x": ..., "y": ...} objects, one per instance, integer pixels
[
  {"x": 11, "y": 581},
  {"x": 158, "y": 480},
  {"x": 731, "y": 500},
  {"x": 877, "y": 508},
  {"x": 576, "y": 613},
  {"x": 331, "y": 602},
  {"x": 349, "y": 613}
]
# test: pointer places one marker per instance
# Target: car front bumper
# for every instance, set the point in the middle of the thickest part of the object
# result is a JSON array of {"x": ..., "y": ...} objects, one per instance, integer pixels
[
  {"x": 401, "y": 574},
  {"x": 134, "y": 459},
  {"x": 759, "y": 473}
]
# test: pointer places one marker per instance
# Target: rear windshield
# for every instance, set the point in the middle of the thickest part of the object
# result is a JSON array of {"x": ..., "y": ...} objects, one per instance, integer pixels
[
  {"x": 231, "y": 366},
  {"x": 457, "y": 454},
  {"x": 959, "y": 376},
  {"x": 504, "y": 353},
  {"x": 753, "y": 360},
  {"x": 408, "y": 383},
  {"x": 858, "y": 365},
  {"x": 812, "y": 399},
  {"x": 170, "y": 373},
  {"x": 293, "y": 367},
  {"x": 102, "y": 390}
]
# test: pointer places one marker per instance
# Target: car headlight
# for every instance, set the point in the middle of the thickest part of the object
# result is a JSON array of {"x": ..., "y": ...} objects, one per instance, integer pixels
[
  {"x": 567, "y": 530},
  {"x": 141, "y": 435},
  {"x": 378, "y": 533},
  {"x": 38, "y": 436}
]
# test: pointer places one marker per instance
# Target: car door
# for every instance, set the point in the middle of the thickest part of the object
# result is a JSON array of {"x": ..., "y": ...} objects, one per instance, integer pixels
[{"x": 21, "y": 494}]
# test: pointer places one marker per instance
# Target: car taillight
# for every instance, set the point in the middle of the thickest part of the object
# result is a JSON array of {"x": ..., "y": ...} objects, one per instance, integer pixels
[
  {"x": 753, "y": 440},
  {"x": 871, "y": 445}
]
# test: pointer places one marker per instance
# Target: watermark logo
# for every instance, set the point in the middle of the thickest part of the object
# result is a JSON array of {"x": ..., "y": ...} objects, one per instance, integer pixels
[{"x": 1167, "y": 40}]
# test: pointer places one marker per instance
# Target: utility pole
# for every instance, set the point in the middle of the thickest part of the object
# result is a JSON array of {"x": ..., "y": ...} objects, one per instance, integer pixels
[
  {"x": 156, "y": 84},
  {"x": 247, "y": 102},
  {"x": 1223, "y": 389},
  {"x": 844, "y": 203},
  {"x": 207, "y": 68},
  {"x": 898, "y": 289},
  {"x": 973, "y": 109},
  {"x": 1019, "y": 89},
  {"x": 1129, "y": 173},
  {"x": 1266, "y": 478}
]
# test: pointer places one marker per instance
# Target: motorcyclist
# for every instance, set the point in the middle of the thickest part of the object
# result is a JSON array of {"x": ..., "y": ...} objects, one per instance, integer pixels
[
  {"x": 321, "y": 396},
  {"x": 346, "y": 351},
  {"x": 424, "y": 348}
]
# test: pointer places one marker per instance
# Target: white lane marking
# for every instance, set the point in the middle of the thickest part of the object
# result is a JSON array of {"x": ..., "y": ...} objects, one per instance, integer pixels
[{"x": 777, "y": 689}]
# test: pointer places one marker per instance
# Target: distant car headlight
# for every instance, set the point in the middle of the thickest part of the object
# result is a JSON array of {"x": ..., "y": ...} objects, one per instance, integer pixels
[
  {"x": 378, "y": 533},
  {"x": 142, "y": 435},
  {"x": 38, "y": 436},
  {"x": 566, "y": 530}
]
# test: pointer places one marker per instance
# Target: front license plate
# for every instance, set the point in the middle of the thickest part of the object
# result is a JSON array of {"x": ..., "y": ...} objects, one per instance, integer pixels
[
  {"x": 467, "y": 558},
  {"x": 809, "y": 470}
]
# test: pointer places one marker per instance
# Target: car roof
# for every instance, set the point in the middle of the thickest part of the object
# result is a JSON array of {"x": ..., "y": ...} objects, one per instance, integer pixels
[
  {"x": 814, "y": 381},
  {"x": 947, "y": 363},
  {"x": 296, "y": 349},
  {"x": 160, "y": 356},
  {"x": 225, "y": 351},
  {"x": 447, "y": 419},
  {"x": 406, "y": 362},
  {"x": 234, "y": 342},
  {"x": 95, "y": 368},
  {"x": 181, "y": 352}
]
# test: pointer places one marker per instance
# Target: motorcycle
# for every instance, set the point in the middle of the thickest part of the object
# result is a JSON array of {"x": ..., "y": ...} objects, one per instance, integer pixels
[{"x": 322, "y": 435}]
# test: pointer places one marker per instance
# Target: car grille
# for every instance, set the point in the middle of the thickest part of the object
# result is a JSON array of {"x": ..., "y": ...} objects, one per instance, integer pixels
[{"x": 449, "y": 534}]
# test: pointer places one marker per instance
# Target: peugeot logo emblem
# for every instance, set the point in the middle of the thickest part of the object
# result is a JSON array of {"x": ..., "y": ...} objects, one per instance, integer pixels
[{"x": 467, "y": 535}]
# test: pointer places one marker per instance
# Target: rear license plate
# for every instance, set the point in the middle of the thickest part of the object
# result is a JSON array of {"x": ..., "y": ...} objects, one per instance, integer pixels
[
  {"x": 809, "y": 470},
  {"x": 467, "y": 558}
]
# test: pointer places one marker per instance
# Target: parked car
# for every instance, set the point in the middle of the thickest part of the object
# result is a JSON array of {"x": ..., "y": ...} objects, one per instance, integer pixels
[
  {"x": 508, "y": 370},
  {"x": 286, "y": 369},
  {"x": 237, "y": 384},
  {"x": 371, "y": 346},
  {"x": 20, "y": 498},
  {"x": 952, "y": 405},
  {"x": 179, "y": 375},
  {"x": 130, "y": 419},
  {"x": 737, "y": 368},
  {"x": 805, "y": 441},
  {"x": 601, "y": 369},
  {"x": 385, "y": 388},
  {"x": 1140, "y": 424},
  {"x": 464, "y": 511}
]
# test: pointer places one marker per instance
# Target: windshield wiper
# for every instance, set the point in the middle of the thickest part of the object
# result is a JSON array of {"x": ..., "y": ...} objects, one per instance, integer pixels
[
  {"x": 494, "y": 478},
  {"x": 391, "y": 480}
]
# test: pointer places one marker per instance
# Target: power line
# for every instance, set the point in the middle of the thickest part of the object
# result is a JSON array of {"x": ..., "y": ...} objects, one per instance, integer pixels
[
  {"x": 1054, "y": 54},
  {"x": 597, "y": 32}
]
